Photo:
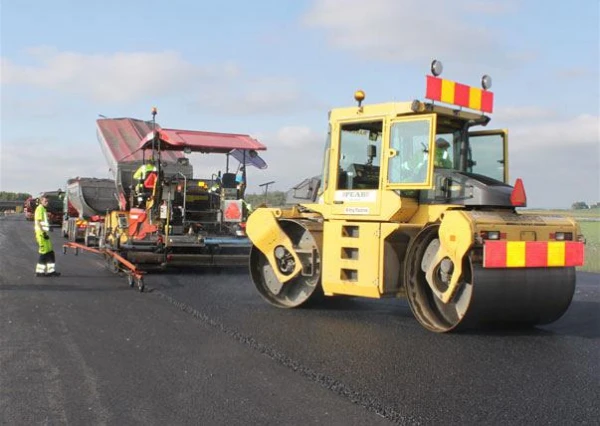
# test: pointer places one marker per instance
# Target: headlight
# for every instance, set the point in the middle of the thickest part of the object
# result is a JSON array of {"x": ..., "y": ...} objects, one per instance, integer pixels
[
  {"x": 490, "y": 235},
  {"x": 563, "y": 236}
]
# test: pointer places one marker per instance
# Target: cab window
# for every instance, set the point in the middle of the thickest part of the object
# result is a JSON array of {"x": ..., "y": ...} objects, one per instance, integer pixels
[
  {"x": 486, "y": 156},
  {"x": 409, "y": 141},
  {"x": 325, "y": 167},
  {"x": 360, "y": 153},
  {"x": 447, "y": 146}
]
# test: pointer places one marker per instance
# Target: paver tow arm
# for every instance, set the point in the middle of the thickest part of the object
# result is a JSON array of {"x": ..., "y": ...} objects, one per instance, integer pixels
[{"x": 115, "y": 262}]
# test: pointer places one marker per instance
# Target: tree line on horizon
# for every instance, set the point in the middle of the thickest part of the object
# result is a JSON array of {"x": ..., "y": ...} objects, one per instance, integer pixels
[
  {"x": 13, "y": 196},
  {"x": 582, "y": 205},
  {"x": 271, "y": 199}
]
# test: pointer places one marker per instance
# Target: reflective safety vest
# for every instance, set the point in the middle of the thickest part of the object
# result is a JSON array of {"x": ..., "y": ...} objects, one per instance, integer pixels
[
  {"x": 143, "y": 170},
  {"x": 441, "y": 158},
  {"x": 142, "y": 173},
  {"x": 40, "y": 218}
]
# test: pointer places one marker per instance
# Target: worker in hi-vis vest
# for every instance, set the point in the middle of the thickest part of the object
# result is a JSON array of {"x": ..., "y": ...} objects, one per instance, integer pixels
[
  {"x": 143, "y": 189},
  {"x": 442, "y": 157},
  {"x": 46, "y": 266}
]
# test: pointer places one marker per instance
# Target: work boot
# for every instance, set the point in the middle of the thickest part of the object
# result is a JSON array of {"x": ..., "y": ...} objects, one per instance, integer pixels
[
  {"x": 53, "y": 274},
  {"x": 40, "y": 274}
]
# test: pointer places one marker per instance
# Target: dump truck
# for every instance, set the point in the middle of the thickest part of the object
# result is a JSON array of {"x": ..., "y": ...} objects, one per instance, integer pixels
[
  {"x": 54, "y": 208},
  {"x": 86, "y": 202},
  {"x": 29, "y": 206},
  {"x": 415, "y": 202}
]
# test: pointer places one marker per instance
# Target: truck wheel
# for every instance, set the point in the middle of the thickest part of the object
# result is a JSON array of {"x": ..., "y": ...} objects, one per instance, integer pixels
[
  {"x": 114, "y": 265},
  {"x": 140, "y": 284}
]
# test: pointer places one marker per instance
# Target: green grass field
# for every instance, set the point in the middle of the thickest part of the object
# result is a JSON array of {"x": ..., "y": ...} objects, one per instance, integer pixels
[
  {"x": 589, "y": 220},
  {"x": 591, "y": 231}
]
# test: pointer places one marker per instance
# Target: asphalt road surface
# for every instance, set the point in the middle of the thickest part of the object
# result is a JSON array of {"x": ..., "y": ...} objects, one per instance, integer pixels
[{"x": 201, "y": 347}]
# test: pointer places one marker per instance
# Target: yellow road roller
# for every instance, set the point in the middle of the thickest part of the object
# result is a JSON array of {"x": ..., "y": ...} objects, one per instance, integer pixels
[{"x": 414, "y": 201}]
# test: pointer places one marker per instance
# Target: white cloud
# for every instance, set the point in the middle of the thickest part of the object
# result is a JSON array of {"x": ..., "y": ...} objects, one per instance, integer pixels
[
  {"x": 126, "y": 77},
  {"x": 490, "y": 7},
  {"x": 115, "y": 77},
  {"x": 254, "y": 96},
  {"x": 535, "y": 127},
  {"x": 583, "y": 130},
  {"x": 574, "y": 73},
  {"x": 409, "y": 30},
  {"x": 35, "y": 165},
  {"x": 122, "y": 78},
  {"x": 36, "y": 107},
  {"x": 518, "y": 114},
  {"x": 558, "y": 176},
  {"x": 558, "y": 157},
  {"x": 293, "y": 154},
  {"x": 295, "y": 137}
]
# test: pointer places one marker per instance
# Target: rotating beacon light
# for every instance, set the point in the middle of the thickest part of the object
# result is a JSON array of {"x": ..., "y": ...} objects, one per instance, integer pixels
[
  {"x": 155, "y": 140},
  {"x": 486, "y": 82},
  {"x": 436, "y": 67},
  {"x": 359, "y": 96}
]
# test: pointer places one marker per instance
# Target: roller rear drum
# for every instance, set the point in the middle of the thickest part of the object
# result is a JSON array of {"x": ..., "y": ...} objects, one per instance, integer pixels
[{"x": 526, "y": 296}]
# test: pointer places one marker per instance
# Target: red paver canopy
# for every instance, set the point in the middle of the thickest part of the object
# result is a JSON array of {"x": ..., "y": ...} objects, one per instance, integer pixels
[
  {"x": 197, "y": 141},
  {"x": 120, "y": 138}
]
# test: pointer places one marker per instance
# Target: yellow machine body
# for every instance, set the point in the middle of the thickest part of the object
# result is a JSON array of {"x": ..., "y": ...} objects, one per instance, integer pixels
[{"x": 373, "y": 233}]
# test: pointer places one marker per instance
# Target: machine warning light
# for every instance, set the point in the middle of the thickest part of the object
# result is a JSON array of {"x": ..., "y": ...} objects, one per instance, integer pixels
[
  {"x": 359, "y": 96},
  {"x": 436, "y": 67},
  {"x": 486, "y": 82}
]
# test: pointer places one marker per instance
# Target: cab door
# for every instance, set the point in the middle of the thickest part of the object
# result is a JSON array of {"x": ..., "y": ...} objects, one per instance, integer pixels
[
  {"x": 357, "y": 169},
  {"x": 409, "y": 148},
  {"x": 489, "y": 154}
]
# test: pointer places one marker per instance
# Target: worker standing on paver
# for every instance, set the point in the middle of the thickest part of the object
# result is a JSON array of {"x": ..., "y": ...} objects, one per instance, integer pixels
[
  {"x": 144, "y": 188},
  {"x": 46, "y": 266}
]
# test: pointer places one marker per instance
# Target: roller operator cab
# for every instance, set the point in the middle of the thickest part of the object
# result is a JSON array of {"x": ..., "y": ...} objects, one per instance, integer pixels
[{"x": 415, "y": 201}]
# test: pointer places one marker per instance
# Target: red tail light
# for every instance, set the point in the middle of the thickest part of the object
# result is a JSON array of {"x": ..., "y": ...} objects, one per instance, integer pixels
[{"x": 518, "y": 197}]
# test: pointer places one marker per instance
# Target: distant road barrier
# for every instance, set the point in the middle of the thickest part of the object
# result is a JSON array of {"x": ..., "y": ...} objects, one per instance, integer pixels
[{"x": 10, "y": 205}]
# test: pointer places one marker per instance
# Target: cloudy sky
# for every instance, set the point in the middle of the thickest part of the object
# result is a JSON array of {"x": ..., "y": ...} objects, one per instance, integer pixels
[{"x": 274, "y": 68}]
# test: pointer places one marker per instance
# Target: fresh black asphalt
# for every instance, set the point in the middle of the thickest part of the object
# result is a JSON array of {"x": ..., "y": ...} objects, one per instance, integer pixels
[{"x": 201, "y": 347}]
